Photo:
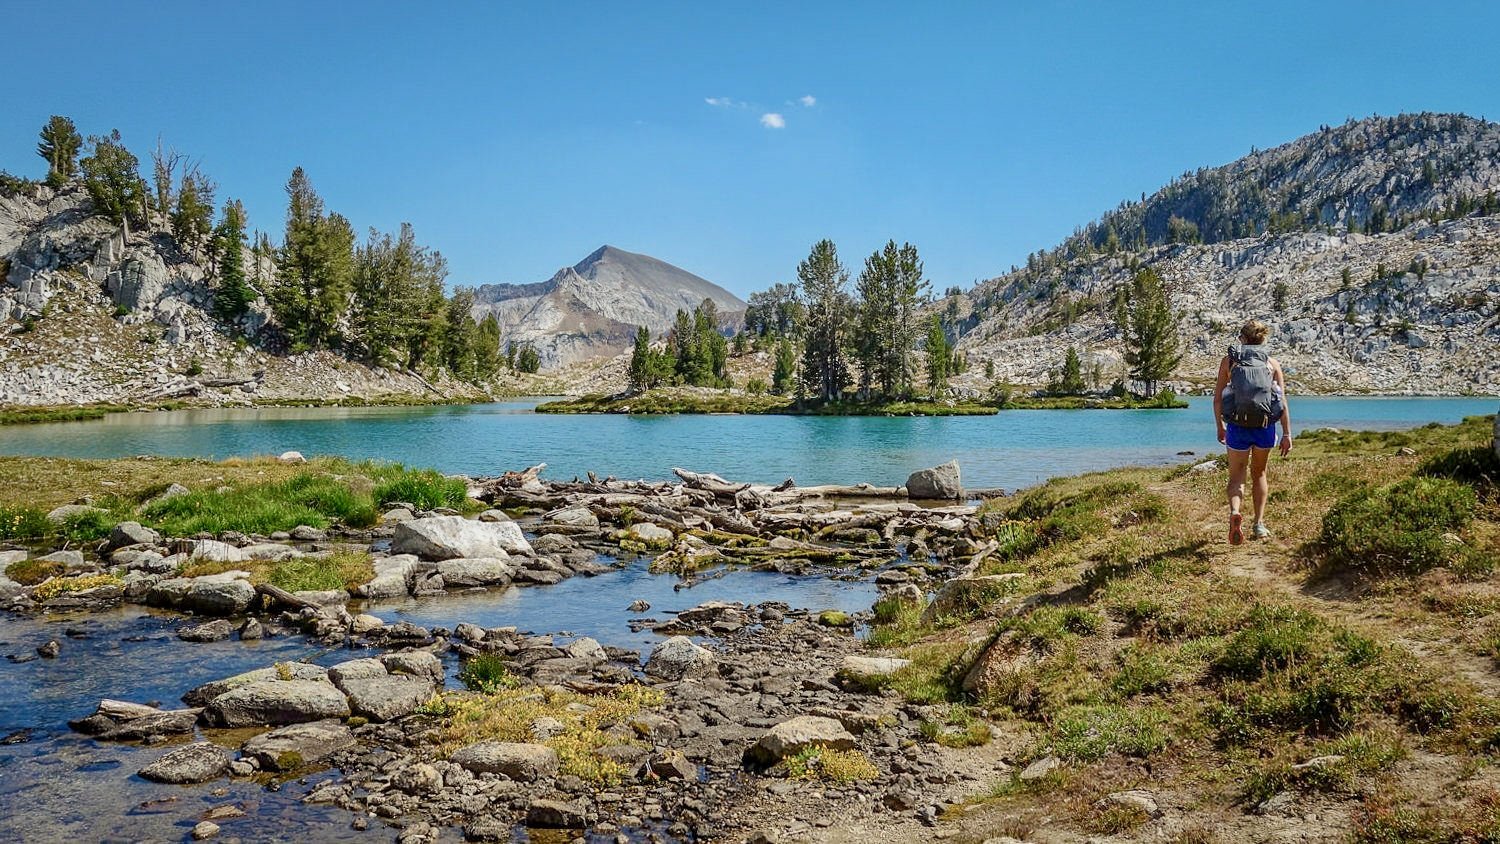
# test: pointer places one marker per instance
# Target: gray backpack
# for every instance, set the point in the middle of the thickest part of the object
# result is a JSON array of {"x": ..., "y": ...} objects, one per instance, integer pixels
[{"x": 1252, "y": 400}]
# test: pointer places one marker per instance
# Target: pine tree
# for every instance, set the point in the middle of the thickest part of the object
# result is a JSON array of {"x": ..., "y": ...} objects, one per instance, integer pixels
[
  {"x": 113, "y": 180},
  {"x": 315, "y": 273},
  {"x": 59, "y": 146},
  {"x": 1152, "y": 347},
  {"x": 939, "y": 357},
  {"x": 1070, "y": 379},
  {"x": 825, "y": 371},
  {"x": 462, "y": 335},
  {"x": 890, "y": 292},
  {"x": 649, "y": 367},
  {"x": 487, "y": 348},
  {"x": 527, "y": 360},
  {"x": 233, "y": 295},
  {"x": 784, "y": 375},
  {"x": 192, "y": 216}
]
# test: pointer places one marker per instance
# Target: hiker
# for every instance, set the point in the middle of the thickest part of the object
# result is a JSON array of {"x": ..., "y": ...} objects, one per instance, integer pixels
[{"x": 1249, "y": 402}]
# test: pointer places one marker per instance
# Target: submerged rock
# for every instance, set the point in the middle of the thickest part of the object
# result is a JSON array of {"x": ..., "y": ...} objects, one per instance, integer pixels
[
  {"x": 227, "y": 593},
  {"x": 198, "y": 762},
  {"x": 447, "y": 537},
  {"x": 210, "y": 631}
]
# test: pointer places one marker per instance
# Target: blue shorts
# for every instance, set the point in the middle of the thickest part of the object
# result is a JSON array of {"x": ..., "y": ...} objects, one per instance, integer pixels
[{"x": 1241, "y": 439}]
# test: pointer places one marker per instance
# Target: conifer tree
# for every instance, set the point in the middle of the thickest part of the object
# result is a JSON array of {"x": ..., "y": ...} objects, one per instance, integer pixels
[
  {"x": 315, "y": 273},
  {"x": 1152, "y": 347},
  {"x": 1070, "y": 378},
  {"x": 890, "y": 293},
  {"x": 938, "y": 356},
  {"x": 487, "y": 348},
  {"x": 528, "y": 360},
  {"x": 192, "y": 215},
  {"x": 784, "y": 375},
  {"x": 233, "y": 295},
  {"x": 59, "y": 146},
  {"x": 462, "y": 335},
  {"x": 649, "y": 366},
  {"x": 111, "y": 175},
  {"x": 825, "y": 370}
]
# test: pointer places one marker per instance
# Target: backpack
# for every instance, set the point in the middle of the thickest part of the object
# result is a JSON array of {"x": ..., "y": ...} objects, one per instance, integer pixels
[{"x": 1252, "y": 400}]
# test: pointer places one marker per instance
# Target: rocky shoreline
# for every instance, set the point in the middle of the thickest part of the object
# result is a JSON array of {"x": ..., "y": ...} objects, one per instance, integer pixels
[{"x": 750, "y": 721}]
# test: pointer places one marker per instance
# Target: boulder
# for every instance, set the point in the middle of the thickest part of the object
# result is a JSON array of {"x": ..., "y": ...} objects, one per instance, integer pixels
[
  {"x": 61, "y": 514},
  {"x": 415, "y": 663},
  {"x": 227, "y": 593},
  {"x": 198, "y": 762},
  {"x": 870, "y": 667},
  {"x": 277, "y": 702},
  {"x": 586, "y": 649},
  {"x": 393, "y": 576},
  {"x": 447, "y": 537},
  {"x": 493, "y": 515},
  {"x": 365, "y": 623},
  {"x": 555, "y": 814},
  {"x": 201, "y": 695},
  {"x": 673, "y": 765},
  {"x": 794, "y": 735},
  {"x": 1134, "y": 799},
  {"x": 387, "y": 697},
  {"x": 291, "y": 457},
  {"x": 940, "y": 482},
  {"x": 209, "y": 631},
  {"x": 273, "y": 551},
  {"x": 68, "y": 557},
  {"x": 291, "y": 747},
  {"x": 131, "y": 533},
  {"x": 650, "y": 533},
  {"x": 575, "y": 517},
  {"x": 396, "y": 514},
  {"x": 1040, "y": 768},
  {"x": 476, "y": 571},
  {"x": 215, "y": 551},
  {"x": 518, "y": 761},
  {"x": 678, "y": 658},
  {"x": 204, "y": 830},
  {"x": 356, "y": 669},
  {"x": 418, "y": 779},
  {"x": 173, "y": 722},
  {"x": 968, "y": 592}
]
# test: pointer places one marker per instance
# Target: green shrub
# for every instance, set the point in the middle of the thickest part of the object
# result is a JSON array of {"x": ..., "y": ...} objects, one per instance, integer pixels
[
  {"x": 1143, "y": 670},
  {"x": 1273, "y": 638},
  {"x": 426, "y": 489},
  {"x": 32, "y": 572},
  {"x": 339, "y": 570},
  {"x": 1087, "y": 733},
  {"x": 1398, "y": 528},
  {"x": 88, "y": 526},
  {"x": 304, "y": 499},
  {"x": 486, "y": 672},
  {"x": 24, "y": 523},
  {"x": 1478, "y": 467}
]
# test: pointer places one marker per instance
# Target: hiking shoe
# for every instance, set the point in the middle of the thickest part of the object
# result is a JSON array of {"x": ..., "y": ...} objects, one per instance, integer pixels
[
  {"x": 1236, "y": 533},
  {"x": 1260, "y": 531}
]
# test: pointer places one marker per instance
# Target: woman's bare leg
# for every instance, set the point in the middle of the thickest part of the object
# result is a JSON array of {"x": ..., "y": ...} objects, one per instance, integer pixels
[
  {"x": 1239, "y": 462},
  {"x": 1260, "y": 485}
]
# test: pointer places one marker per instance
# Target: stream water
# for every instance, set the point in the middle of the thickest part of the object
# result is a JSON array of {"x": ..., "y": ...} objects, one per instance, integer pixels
[{"x": 59, "y": 786}]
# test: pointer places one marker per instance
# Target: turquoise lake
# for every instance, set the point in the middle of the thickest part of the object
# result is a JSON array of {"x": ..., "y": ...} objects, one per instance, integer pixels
[{"x": 1012, "y": 449}]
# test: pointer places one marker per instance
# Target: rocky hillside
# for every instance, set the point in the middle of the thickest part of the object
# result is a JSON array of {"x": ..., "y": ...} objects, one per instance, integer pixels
[
  {"x": 592, "y": 309},
  {"x": 1372, "y": 249},
  {"x": 92, "y": 313}
]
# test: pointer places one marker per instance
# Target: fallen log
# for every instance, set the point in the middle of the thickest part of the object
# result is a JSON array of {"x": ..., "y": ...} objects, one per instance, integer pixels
[
  {"x": 710, "y": 482},
  {"x": 277, "y": 595}
]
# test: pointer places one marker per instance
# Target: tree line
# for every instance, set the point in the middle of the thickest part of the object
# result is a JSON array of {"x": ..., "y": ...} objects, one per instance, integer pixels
[
  {"x": 830, "y": 340},
  {"x": 382, "y": 299}
]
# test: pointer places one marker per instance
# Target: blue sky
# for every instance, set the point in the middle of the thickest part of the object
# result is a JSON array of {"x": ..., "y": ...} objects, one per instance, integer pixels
[{"x": 517, "y": 138}]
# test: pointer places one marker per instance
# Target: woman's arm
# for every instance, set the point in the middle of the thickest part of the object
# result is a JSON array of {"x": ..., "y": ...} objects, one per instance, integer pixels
[
  {"x": 1286, "y": 413},
  {"x": 1222, "y": 380}
]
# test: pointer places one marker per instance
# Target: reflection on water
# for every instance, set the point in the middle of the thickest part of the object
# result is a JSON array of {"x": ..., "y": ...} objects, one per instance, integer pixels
[{"x": 1012, "y": 449}]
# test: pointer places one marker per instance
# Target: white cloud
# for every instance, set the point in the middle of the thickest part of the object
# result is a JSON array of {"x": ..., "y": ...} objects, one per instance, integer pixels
[
  {"x": 772, "y": 120},
  {"x": 719, "y": 102},
  {"x": 808, "y": 100}
]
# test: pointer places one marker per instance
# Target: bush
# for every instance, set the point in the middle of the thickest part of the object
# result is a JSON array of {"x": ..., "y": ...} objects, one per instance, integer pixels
[
  {"x": 88, "y": 526},
  {"x": 1273, "y": 638},
  {"x": 1398, "y": 528},
  {"x": 23, "y": 523},
  {"x": 32, "y": 572},
  {"x": 426, "y": 489},
  {"x": 1478, "y": 467},
  {"x": 487, "y": 672}
]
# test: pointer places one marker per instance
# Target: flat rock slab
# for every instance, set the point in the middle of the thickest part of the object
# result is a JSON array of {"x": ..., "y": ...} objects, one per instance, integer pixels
[
  {"x": 476, "y": 571},
  {"x": 447, "y": 537},
  {"x": 555, "y": 814},
  {"x": 227, "y": 593},
  {"x": 201, "y": 695},
  {"x": 154, "y": 724},
  {"x": 518, "y": 761},
  {"x": 387, "y": 697},
  {"x": 295, "y": 746},
  {"x": 198, "y": 762},
  {"x": 415, "y": 663},
  {"x": 870, "y": 667},
  {"x": 790, "y": 737},
  {"x": 277, "y": 702}
]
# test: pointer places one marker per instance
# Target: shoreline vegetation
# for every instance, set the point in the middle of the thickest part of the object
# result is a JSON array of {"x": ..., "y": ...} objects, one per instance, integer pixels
[
  {"x": 665, "y": 401},
  {"x": 39, "y": 414}
]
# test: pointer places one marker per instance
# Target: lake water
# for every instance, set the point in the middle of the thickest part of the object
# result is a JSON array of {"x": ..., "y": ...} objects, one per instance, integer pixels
[{"x": 1011, "y": 449}]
